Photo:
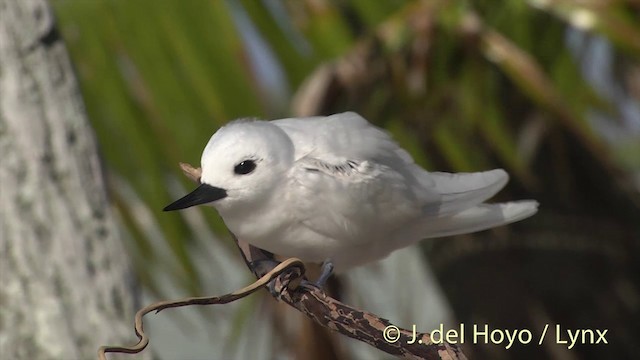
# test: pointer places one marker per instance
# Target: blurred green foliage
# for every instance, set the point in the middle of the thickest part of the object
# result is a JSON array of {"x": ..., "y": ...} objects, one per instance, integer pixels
[{"x": 463, "y": 85}]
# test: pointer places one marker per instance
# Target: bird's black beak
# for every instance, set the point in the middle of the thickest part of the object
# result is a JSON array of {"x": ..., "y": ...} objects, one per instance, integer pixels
[{"x": 201, "y": 195}]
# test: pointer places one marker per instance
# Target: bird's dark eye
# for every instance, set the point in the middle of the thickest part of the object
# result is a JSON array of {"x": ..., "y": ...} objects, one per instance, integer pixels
[{"x": 244, "y": 167}]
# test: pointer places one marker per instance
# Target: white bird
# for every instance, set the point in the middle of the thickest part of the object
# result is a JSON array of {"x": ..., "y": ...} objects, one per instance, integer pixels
[{"x": 338, "y": 189}]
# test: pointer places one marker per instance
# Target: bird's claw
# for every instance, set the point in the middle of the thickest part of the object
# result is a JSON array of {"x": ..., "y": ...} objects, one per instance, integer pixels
[{"x": 326, "y": 271}]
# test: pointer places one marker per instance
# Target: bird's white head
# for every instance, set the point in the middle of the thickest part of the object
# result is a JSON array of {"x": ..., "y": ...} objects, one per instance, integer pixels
[{"x": 241, "y": 166}]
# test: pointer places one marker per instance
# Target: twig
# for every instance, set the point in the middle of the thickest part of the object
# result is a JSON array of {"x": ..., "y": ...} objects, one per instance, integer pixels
[
  {"x": 354, "y": 323},
  {"x": 291, "y": 264}
]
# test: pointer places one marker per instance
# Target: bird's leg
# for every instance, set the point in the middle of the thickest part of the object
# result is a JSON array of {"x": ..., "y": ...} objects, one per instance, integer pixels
[
  {"x": 325, "y": 273},
  {"x": 263, "y": 266},
  {"x": 327, "y": 270}
]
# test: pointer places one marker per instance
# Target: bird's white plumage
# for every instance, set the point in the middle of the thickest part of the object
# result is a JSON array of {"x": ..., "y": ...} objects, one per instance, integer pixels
[{"x": 339, "y": 188}]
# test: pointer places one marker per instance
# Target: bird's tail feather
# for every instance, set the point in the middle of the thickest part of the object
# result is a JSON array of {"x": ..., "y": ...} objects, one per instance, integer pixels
[{"x": 477, "y": 218}]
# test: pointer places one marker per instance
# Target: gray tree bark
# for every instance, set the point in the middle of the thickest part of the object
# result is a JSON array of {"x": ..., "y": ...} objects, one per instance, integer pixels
[{"x": 65, "y": 281}]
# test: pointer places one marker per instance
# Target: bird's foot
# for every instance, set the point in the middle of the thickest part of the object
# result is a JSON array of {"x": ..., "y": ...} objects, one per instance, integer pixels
[{"x": 325, "y": 273}]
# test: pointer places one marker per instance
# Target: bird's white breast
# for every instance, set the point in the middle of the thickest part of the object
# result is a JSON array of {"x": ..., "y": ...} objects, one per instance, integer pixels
[{"x": 316, "y": 216}]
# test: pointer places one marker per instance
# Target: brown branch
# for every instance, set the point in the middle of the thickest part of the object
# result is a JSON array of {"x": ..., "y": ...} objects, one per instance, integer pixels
[{"x": 354, "y": 323}]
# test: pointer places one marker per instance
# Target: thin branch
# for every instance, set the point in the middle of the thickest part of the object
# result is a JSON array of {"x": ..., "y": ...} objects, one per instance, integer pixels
[
  {"x": 291, "y": 264},
  {"x": 354, "y": 323}
]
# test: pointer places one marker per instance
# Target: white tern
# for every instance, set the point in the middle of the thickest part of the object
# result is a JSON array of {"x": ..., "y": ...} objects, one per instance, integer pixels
[{"x": 338, "y": 189}]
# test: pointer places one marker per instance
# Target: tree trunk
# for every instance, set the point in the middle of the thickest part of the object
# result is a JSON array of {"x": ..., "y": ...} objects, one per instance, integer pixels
[{"x": 66, "y": 284}]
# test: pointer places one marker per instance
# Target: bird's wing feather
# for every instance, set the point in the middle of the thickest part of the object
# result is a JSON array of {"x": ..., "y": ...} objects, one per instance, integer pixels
[
  {"x": 349, "y": 200},
  {"x": 360, "y": 180},
  {"x": 355, "y": 161},
  {"x": 477, "y": 218},
  {"x": 461, "y": 191},
  {"x": 341, "y": 137},
  {"x": 334, "y": 143}
]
